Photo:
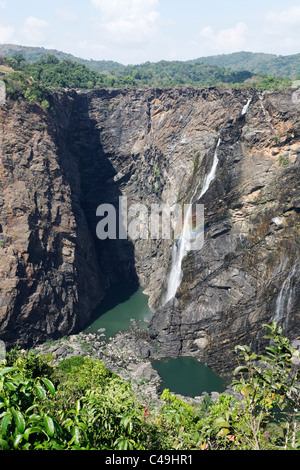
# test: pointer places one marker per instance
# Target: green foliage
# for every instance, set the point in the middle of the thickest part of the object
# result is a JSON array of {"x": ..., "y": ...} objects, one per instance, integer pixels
[
  {"x": 175, "y": 73},
  {"x": 32, "y": 54},
  {"x": 270, "y": 386},
  {"x": 30, "y": 363},
  {"x": 25, "y": 421},
  {"x": 20, "y": 85},
  {"x": 81, "y": 405},
  {"x": 50, "y": 71},
  {"x": 266, "y": 82},
  {"x": 283, "y": 161},
  {"x": 258, "y": 63}
]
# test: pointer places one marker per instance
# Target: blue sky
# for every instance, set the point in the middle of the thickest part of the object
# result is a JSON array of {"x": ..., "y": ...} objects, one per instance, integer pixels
[{"x": 134, "y": 31}]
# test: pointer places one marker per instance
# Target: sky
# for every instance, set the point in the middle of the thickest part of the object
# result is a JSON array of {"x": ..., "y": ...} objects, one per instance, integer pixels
[{"x": 136, "y": 31}]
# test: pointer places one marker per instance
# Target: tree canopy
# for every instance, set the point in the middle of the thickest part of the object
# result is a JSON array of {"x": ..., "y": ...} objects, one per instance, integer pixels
[{"x": 50, "y": 71}]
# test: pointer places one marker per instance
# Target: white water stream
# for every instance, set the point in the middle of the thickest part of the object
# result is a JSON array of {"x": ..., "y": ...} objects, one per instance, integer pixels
[
  {"x": 246, "y": 107},
  {"x": 182, "y": 247},
  {"x": 284, "y": 299}
]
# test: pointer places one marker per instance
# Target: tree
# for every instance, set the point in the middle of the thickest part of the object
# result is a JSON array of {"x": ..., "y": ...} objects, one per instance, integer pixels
[{"x": 270, "y": 386}]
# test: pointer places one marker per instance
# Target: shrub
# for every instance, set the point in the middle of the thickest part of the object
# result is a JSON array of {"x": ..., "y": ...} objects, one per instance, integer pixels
[{"x": 82, "y": 405}]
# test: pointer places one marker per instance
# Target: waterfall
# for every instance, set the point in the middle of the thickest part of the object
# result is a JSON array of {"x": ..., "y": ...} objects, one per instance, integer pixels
[
  {"x": 212, "y": 174},
  {"x": 246, "y": 107},
  {"x": 284, "y": 299},
  {"x": 182, "y": 246}
]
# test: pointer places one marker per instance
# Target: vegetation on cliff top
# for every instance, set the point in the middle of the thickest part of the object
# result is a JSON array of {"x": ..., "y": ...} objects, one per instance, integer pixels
[
  {"x": 50, "y": 71},
  {"x": 81, "y": 405},
  {"x": 255, "y": 62}
]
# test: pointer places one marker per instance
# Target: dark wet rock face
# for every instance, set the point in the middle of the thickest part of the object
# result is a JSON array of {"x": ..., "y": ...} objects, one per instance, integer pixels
[
  {"x": 49, "y": 278},
  {"x": 152, "y": 146}
]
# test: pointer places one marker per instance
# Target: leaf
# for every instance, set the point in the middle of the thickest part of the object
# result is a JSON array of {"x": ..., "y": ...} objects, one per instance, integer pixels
[
  {"x": 55, "y": 445},
  {"x": 49, "y": 425},
  {"x": 17, "y": 440},
  {"x": 5, "y": 422},
  {"x": 32, "y": 407},
  {"x": 26, "y": 446},
  {"x": 127, "y": 423},
  {"x": 34, "y": 418},
  {"x": 271, "y": 349},
  {"x": 269, "y": 336},
  {"x": 49, "y": 385},
  {"x": 76, "y": 435},
  {"x": 19, "y": 420},
  {"x": 220, "y": 422},
  {"x": 27, "y": 433},
  {"x": 122, "y": 444},
  {"x": 40, "y": 391},
  {"x": 7, "y": 370},
  {"x": 4, "y": 444},
  {"x": 247, "y": 390},
  {"x": 240, "y": 369},
  {"x": 78, "y": 406},
  {"x": 35, "y": 430},
  {"x": 11, "y": 386}
]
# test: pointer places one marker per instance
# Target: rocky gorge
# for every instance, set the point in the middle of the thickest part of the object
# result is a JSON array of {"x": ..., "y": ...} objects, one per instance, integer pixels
[{"x": 154, "y": 146}]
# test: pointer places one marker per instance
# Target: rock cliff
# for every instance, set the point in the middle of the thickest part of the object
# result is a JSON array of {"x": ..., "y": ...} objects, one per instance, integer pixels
[
  {"x": 50, "y": 280},
  {"x": 153, "y": 146}
]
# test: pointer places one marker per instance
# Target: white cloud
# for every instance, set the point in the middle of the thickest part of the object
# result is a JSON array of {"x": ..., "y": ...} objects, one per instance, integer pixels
[
  {"x": 35, "y": 30},
  {"x": 122, "y": 8},
  {"x": 65, "y": 14},
  {"x": 225, "y": 41},
  {"x": 2, "y": 4},
  {"x": 288, "y": 17},
  {"x": 128, "y": 22},
  {"x": 90, "y": 46},
  {"x": 281, "y": 30},
  {"x": 6, "y": 33}
]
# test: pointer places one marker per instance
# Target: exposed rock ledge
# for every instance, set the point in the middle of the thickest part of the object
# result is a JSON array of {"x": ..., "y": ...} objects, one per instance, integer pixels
[{"x": 126, "y": 354}]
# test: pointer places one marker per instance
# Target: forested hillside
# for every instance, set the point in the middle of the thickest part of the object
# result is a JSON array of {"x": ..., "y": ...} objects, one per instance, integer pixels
[
  {"x": 257, "y": 63},
  {"x": 32, "y": 54},
  {"x": 50, "y": 71},
  {"x": 285, "y": 66}
]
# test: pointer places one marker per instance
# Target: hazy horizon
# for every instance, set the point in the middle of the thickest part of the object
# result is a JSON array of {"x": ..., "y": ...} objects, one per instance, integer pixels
[{"x": 137, "y": 31}]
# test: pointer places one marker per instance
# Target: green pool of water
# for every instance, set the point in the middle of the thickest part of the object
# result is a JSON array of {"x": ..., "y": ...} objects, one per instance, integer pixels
[
  {"x": 121, "y": 304},
  {"x": 188, "y": 377},
  {"x": 184, "y": 375}
]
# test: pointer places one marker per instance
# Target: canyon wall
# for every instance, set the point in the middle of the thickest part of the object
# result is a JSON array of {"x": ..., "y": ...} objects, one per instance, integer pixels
[
  {"x": 50, "y": 280},
  {"x": 152, "y": 146}
]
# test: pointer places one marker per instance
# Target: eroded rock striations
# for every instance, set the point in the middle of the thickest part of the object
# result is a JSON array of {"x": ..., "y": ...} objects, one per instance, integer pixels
[
  {"x": 50, "y": 280},
  {"x": 152, "y": 146}
]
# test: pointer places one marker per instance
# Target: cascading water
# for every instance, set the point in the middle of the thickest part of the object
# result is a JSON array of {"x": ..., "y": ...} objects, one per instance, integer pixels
[
  {"x": 284, "y": 299},
  {"x": 182, "y": 246},
  {"x": 246, "y": 107}
]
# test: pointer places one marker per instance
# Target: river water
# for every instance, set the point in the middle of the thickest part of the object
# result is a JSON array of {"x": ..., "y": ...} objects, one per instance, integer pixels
[
  {"x": 184, "y": 375},
  {"x": 188, "y": 377},
  {"x": 121, "y": 304}
]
